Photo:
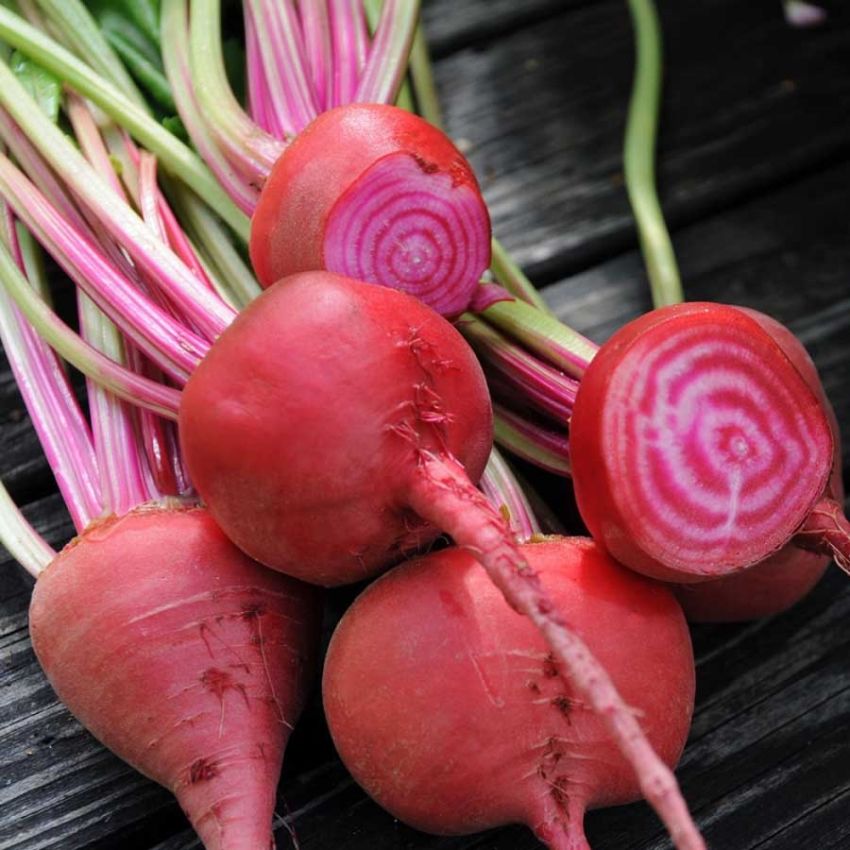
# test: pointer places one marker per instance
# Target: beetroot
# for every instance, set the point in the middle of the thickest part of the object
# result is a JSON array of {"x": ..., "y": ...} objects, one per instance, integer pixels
[
  {"x": 308, "y": 426},
  {"x": 446, "y": 705},
  {"x": 698, "y": 447},
  {"x": 184, "y": 657},
  {"x": 375, "y": 193}
]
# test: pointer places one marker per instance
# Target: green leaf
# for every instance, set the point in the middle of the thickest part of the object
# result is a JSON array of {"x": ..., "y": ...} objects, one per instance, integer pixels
[
  {"x": 143, "y": 14},
  {"x": 147, "y": 70},
  {"x": 41, "y": 84},
  {"x": 176, "y": 127},
  {"x": 132, "y": 29}
]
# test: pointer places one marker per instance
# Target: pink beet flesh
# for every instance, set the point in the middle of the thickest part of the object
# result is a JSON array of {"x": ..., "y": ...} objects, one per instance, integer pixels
[
  {"x": 698, "y": 448},
  {"x": 448, "y": 709},
  {"x": 777, "y": 583},
  {"x": 184, "y": 657}
]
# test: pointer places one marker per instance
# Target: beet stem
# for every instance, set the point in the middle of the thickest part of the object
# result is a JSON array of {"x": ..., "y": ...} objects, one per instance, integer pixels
[
  {"x": 442, "y": 494},
  {"x": 827, "y": 531}
]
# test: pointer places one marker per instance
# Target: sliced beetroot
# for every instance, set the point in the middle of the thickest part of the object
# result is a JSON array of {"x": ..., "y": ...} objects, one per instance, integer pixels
[
  {"x": 184, "y": 657},
  {"x": 446, "y": 705},
  {"x": 698, "y": 448},
  {"x": 375, "y": 193}
]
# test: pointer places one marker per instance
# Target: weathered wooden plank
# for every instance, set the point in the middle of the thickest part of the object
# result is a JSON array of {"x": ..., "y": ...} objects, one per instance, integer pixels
[
  {"x": 450, "y": 25},
  {"x": 748, "y": 103},
  {"x": 23, "y": 467}
]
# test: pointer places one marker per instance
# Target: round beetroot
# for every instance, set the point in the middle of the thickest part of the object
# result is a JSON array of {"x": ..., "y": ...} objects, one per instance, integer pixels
[
  {"x": 305, "y": 426},
  {"x": 447, "y": 706},
  {"x": 777, "y": 583}
]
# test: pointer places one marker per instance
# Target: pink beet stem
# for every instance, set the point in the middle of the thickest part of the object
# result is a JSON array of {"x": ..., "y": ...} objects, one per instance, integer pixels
[
  {"x": 827, "y": 531},
  {"x": 442, "y": 494},
  {"x": 246, "y": 145},
  {"x": 208, "y": 311},
  {"x": 62, "y": 429},
  {"x": 258, "y": 86},
  {"x": 548, "y": 449},
  {"x": 125, "y": 384},
  {"x": 315, "y": 27},
  {"x": 175, "y": 37},
  {"x": 549, "y": 389},
  {"x": 175, "y": 348},
  {"x": 284, "y": 56},
  {"x": 32, "y": 163},
  {"x": 350, "y": 33},
  {"x": 387, "y": 64},
  {"x": 126, "y": 482},
  {"x": 505, "y": 494}
]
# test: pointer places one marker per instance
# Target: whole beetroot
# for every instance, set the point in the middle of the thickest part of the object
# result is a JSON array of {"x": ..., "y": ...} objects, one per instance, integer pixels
[{"x": 447, "y": 706}]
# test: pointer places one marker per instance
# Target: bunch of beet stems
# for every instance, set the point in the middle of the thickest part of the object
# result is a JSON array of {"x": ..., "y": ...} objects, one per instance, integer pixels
[
  {"x": 529, "y": 355},
  {"x": 182, "y": 294}
]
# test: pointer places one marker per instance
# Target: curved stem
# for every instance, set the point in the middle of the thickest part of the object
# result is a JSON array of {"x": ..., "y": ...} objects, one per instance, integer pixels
[
  {"x": 175, "y": 37},
  {"x": 21, "y": 540},
  {"x": 315, "y": 24},
  {"x": 548, "y": 389},
  {"x": 388, "y": 58},
  {"x": 540, "y": 446},
  {"x": 244, "y": 142},
  {"x": 125, "y": 384},
  {"x": 512, "y": 277},
  {"x": 174, "y": 155},
  {"x": 291, "y": 95},
  {"x": 506, "y": 495},
  {"x": 827, "y": 531},
  {"x": 123, "y": 482},
  {"x": 81, "y": 31},
  {"x": 639, "y": 157},
  {"x": 62, "y": 429},
  {"x": 175, "y": 348},
  {"x": 350, "y": 35},
  {"x": 259, "y": 97},
  {"x": 206, "y": 310},
  {"x": 443, "y": 495},
  {"x": 543, "y": 334},
  {"x": 422, "y": 78},
  {"x": 206, "y": 232}
]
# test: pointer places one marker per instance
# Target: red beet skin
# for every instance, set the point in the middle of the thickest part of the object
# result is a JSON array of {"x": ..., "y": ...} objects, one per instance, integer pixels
[
  {"x": 307, "y": 421},
  {"x": 377, "y": 194},
  {"x": 447, "y": 708},
  {"x": 777, "y": 583},
  {"x": 184, "y": 657},
  {"x": 698, "y": 448}
]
